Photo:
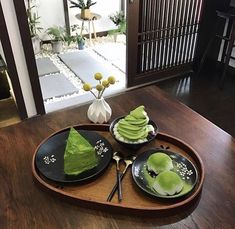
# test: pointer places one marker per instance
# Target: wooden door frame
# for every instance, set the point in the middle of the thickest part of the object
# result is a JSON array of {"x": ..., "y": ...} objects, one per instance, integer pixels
[
  {"x": 131, "y": 40},
  {"x": 29, "y": 55},
  {"x": 11, "y": 66},
  {"x": 133, "y": 78}
]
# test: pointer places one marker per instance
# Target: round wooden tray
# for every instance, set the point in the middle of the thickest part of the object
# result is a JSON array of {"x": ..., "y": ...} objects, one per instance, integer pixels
[{"x": 95, "y": 193}]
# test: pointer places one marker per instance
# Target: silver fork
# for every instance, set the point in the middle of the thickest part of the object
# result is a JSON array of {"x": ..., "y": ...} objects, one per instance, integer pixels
[
  {"x": 128, "y": 161},
  {"x": 117, "y": 157}
]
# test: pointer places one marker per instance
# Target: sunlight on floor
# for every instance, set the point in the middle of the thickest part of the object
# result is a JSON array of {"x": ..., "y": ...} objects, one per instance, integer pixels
[{"x": 61, "y": 78}]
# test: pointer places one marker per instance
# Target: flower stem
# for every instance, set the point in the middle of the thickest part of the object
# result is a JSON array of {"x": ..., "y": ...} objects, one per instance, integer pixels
[
  {"x": 93, "y": 94},
  {"x": 102, "y": 92}
]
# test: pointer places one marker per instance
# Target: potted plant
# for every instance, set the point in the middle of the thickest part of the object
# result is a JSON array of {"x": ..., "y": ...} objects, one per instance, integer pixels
[
  {"x": 119, "y": 20},
  {"x": 57, "y": 34},
  {"x": 33, "y": 21},
  {"x": 80, "y": 41},
  {"x": 84, "y": 6}
]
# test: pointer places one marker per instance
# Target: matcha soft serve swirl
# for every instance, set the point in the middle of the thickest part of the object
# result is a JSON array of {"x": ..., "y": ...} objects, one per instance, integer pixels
[{"x": 134, "y": 127}]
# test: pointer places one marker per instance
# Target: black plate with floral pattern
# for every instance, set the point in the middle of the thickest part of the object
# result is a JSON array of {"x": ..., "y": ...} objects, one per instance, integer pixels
[
  {"x": 182, "y": 166},
  {"x": 49, "y": 159}
]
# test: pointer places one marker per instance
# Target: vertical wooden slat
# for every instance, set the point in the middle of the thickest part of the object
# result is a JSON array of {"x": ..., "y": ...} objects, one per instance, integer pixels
[
  {"x": 183, "y": 29},
  {"x": 155, "y": 34},
  {"x": 163, "y": 25},
  {"x": 179, "y": 31},
  {"x": 141, "y": 36},
  {"x": 189, "y": 47},
  {"x": 145, "y": 36},
  {"x": 171, "y": 34},
  {"x": 166, "y": 43},
  {"x": 152, "y": 23},
  {"x": 186, "y": 33},
  {"x": 196, "y": 22},
  {"x": 160, "y": 11},
  {"x": 175, "y": 31},
  {"x": 167, "y": 33}
]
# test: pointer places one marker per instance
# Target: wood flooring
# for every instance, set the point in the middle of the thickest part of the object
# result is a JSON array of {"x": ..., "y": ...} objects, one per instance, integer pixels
[
  {"x": 202, "y": 94},
  {"x": 8, "y": 112}
]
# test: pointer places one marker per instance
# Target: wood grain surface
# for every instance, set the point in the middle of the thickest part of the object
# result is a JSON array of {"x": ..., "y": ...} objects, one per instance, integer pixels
[
  {"x": 134, "y": 201},
  {"x": 23, "y": 204}
]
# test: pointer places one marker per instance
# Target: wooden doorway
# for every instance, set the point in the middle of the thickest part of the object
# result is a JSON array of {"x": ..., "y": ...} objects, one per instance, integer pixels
[
  {"x": 11, "y": 66},
  {"x": 162, "y": 37}
]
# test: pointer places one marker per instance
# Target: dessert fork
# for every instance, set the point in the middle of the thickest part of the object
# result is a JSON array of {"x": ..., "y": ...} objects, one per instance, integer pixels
[
  {"x": 117, "y": 157},
  {"x": 128, "y": 161}
]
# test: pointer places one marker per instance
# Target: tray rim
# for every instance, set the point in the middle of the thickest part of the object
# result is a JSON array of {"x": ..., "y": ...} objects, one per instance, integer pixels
[{"x": 105, "y": 128}]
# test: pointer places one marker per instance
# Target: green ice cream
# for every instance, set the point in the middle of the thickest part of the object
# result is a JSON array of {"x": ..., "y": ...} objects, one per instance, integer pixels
[
  {"x": 134, "y": 127},
  {"x": 79, "y": 154}
]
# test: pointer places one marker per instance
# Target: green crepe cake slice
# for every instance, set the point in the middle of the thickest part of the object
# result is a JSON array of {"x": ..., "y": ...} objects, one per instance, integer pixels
[{"x": 79, "y": 154}]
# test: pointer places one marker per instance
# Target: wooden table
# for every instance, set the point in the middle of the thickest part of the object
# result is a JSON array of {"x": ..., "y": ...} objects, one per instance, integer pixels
[{"x": 24, "y": 205}]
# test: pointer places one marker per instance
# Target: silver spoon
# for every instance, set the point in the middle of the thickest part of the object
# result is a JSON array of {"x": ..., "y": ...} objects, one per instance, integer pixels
[
  {"x": 117, "y": 157},
  {"x": 128, "y": 161}
]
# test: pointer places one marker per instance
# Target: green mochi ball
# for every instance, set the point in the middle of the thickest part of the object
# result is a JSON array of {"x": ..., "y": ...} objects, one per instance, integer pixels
[
  {"x": 159, "y": 162},
  {"x": 168, "y": 183}
]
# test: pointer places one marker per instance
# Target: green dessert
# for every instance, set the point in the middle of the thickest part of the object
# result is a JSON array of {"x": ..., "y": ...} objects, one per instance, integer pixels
[
  {"x": 159, "y": 162},
  {"x": 134, "y": 127},
  {"x": 79, "y": 154},
  {"x": 168, "y": 183}
]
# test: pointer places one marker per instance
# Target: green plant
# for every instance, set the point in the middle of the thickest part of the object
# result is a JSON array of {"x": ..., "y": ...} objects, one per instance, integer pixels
[
  {"x": 80, "y": 39},
  {"x": 81, "y": 4},
  {"x": 33, "y": 20},
  {"x": 119, "y": 20},
  {"x": 57, "y": 33}
]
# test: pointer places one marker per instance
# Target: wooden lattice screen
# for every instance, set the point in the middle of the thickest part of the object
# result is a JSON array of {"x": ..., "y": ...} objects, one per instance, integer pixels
[{"x": 167, "y": 33}]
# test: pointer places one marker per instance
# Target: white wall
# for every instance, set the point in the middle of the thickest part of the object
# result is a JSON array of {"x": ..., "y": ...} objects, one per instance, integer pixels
[
  {"x": 102, "y": 7},
  {"x": 17, "y": 48},
  {"x": 52, "y": 13}
]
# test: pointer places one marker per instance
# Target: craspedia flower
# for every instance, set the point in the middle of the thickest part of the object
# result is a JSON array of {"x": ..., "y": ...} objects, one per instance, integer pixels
[
  {"x": 105, "y": 83},
  {"x": 111, "y": 80},
  {"x": 98, "y": 76},
  {"x": 86, "y": 87},
  {"x": 99, "y": 87}
]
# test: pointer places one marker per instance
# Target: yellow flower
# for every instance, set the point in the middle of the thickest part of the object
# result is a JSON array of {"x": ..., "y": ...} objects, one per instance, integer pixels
[
  {"x": 105, "y": 83},
  {"x": 99, "y": 87},
  {"x": 98, "y": 76},
  {"x": 111, "y": 80},
  {"x": 86, "y": 87}
]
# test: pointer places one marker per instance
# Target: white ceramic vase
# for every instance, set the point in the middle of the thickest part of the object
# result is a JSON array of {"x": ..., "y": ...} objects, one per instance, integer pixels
[{"x": 99, "y": 111}]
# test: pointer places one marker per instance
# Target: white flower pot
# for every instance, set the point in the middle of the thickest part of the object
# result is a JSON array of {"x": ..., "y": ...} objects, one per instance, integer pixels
[{"x": 99, "y": 111}]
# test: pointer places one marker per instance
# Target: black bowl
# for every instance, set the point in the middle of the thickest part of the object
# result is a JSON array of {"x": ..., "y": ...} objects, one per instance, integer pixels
[{"x": 134, "y": 146}]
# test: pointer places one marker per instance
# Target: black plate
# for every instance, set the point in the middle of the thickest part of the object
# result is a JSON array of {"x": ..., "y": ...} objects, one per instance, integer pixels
[
  {"x": 50, "y": 157},
  {"x": 144, "y": 180},
  {"x": 134, "y": 146}
]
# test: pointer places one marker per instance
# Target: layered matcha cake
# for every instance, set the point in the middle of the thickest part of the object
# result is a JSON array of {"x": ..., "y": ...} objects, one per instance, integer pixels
[
  {"x": 79, "y": 154},
  {"x": 134, "y": 127}
]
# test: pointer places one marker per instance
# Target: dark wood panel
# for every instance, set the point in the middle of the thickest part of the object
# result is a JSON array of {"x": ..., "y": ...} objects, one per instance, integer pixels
[
  {"x": 167, "y": 32},
  {"x": 6, "y": 44},
  {"x": 29, "y": 55}
]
